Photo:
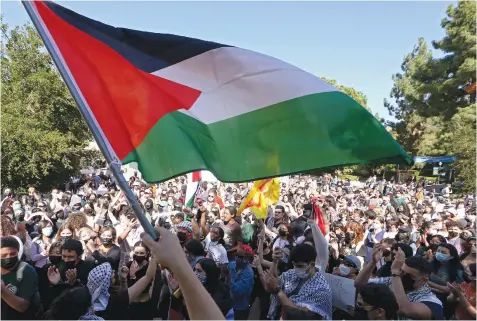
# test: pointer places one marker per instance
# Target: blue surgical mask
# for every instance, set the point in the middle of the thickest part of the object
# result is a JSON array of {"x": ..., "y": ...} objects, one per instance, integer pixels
[
  {"x": 441, "y": 257},
  {"x": 202, "y": 278}
]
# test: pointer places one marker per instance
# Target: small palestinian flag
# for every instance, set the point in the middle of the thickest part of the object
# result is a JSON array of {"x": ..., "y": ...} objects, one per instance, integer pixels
[
  {"x": 193, "y": 186},
  {"x": 175, "y": 104}
]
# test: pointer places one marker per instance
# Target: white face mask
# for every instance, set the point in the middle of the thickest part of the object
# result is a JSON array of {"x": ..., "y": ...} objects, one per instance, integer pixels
[
  {"x": 301, "y": 273},
  {"x": 46, "y": 231},
  {"x": 344, "y": 270}
]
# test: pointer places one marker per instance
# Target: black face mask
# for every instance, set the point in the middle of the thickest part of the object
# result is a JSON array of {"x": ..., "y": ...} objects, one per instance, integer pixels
[
  {"x": 182, "y": 236},
  {"x": 148, "y": 206},
  {"x": 139, "y": 258},
  {"x": 65, "y": 238},
  {"x": 9, "y": 263},
  {"x": 69, "y": 265},
  {"x": 106, "y": 241},
  {"x": 349, "y": 236},
  {"x": 55, "y": 260},
  {"x": 407, "y": 283},
  {"x": 282, "y": 233}
]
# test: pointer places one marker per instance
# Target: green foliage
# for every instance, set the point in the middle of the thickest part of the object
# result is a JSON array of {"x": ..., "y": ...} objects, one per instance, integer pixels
[
  {"x": 43, "y": 134},
  {"x": 435, "y": 115}
]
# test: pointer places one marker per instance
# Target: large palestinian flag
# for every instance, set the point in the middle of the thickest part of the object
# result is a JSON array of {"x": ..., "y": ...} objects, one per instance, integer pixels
[{"x": 175, "y": 104}]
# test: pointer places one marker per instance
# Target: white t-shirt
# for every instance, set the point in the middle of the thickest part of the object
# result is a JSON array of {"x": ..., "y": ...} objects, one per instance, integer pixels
[{"x": 216, "y": 251}]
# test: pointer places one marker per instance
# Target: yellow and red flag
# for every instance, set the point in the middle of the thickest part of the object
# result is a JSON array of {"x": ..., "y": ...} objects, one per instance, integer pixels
[{"x": 263, "y": 193}]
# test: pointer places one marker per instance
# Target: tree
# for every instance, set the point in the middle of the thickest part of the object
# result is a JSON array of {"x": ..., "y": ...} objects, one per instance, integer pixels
[
  {"x": 436, "y": 115},
  {"x": 43, "y": 134},
  {"x": 353, "y": 93}
]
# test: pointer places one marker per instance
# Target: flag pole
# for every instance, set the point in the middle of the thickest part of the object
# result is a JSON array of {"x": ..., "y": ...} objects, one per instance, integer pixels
[{"x": 113, "y": 162}]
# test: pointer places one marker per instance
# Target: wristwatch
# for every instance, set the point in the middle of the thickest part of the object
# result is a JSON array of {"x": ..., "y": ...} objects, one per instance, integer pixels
[
  {"x": 277, "y": 289},
  {"x": 394, "y": 275}
]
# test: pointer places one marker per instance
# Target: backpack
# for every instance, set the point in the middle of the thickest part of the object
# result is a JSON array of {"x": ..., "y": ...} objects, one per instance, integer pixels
[{"x": 36, "y": 306}]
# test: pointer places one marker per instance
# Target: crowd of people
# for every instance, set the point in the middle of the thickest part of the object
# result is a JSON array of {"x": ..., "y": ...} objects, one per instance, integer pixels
[{"x": 408, "y": 251}]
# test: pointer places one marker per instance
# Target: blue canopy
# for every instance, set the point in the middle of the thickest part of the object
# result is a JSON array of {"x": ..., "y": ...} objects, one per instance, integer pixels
[{"x": 434, "y": 159}]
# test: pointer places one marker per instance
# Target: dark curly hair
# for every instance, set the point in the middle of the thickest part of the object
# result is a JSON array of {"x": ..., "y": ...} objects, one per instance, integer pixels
[{"x": 70, "y": 305}]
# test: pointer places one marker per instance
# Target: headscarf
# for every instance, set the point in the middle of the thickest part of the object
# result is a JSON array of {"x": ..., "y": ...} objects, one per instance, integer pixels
[
  {"x": 99, "y": 280},
  {"x": 185, "y": 225}
]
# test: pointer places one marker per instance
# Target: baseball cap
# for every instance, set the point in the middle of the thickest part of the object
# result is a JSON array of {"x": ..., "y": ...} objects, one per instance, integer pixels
[{"x": 354, "y": 261}]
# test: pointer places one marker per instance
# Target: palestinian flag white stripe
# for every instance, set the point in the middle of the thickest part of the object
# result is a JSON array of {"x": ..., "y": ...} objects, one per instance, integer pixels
[{"x": 236, "y": 81}]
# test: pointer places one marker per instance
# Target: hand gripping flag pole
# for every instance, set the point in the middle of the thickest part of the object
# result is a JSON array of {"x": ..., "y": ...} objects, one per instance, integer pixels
[{"x": 103, "y": 145}]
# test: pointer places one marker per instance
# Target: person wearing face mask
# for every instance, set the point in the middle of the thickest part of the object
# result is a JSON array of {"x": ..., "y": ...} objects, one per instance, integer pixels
[
  {"x": 464, "y": 295},
  {"x": 145, "y": 305},
  {"x": 209, "y": 275},
  {"x": 47, "y": 295},
  {"x": 240, "y": 279},
  {"x": 72, "y": 270},
  {"x": 65, "y": 233},
  {"x": 349, "y": 267},
  {"x": 409, "y": 283},
  {"x": 184, "y": 231},
  {"x": 446, "y": 265},
  {"x": 138, "y": 266},
  {"x": 41, "y": 244},
  {"x": 302, "y": 291},
  {"x": 375, "y": 302},
  {"x": 19, "y": 283},
  {"x": 107, "y": 251}
]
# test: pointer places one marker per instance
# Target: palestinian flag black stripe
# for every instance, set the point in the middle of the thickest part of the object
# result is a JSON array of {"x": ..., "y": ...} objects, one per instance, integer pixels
[{"x": 147, "y": 51}]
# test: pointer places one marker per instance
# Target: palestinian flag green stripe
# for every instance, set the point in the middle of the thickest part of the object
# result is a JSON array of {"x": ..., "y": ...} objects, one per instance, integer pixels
[{"x": 326, "y": 129}]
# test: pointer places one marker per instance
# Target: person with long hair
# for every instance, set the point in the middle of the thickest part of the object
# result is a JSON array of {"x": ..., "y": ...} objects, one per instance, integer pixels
[
  {"x": 446, "y": 264},
  {"x": 208, "y": 274},
  {"x": 41, "y": 244},
  {"x": 464, "y": 295},
  {"x": 107, "y": 251},
  {"x": 144, "y": 306},
  {"x": 73, "y": 304},
  {"x": 469, "y": 255},
  {"x": 65, "y": 232},
  {"x": 353, "y": 240}
]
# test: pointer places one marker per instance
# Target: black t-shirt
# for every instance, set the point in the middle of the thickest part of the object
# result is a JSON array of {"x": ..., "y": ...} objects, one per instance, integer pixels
[
  {"x": 113, "y": 256},
  {"x": 142, "y": 310},
  {"x": 117, "y": 308}
]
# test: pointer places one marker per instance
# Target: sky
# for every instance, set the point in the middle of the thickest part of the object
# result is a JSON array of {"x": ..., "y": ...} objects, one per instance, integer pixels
[{"x": 359, "y": 44}]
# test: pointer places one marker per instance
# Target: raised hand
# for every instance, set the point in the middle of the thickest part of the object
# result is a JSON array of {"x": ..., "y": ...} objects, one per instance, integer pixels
[
  {"x": 123, "y": 272},
  {"x": 134, "y": 268},
  {"x": 71, "y": 276},
  {"x": 398, "y": 261},
  {"x": 53, "y": 275},
  {"x": 377, "y": 253},
  {"x": 256, "y": 261},
  {"x": 270, "y": 280}
]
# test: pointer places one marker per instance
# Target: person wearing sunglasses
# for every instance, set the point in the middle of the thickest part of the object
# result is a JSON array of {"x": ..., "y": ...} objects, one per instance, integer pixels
[{"x": 349, "y": 267}]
